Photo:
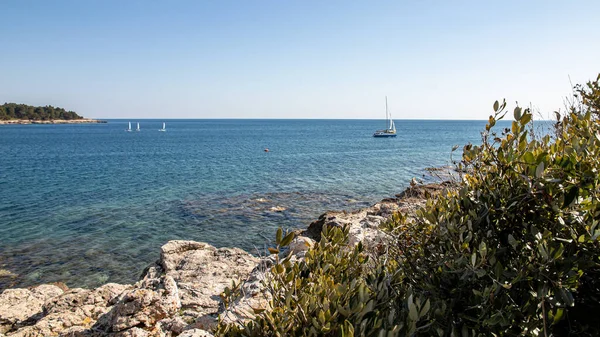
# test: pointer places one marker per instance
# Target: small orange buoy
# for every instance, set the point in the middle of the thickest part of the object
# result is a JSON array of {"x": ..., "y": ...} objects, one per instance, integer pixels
[{"x": 266, "y": 149}]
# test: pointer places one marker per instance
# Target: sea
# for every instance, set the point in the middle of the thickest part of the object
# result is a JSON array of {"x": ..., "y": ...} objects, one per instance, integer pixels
[{"x": 87, "y": 204}]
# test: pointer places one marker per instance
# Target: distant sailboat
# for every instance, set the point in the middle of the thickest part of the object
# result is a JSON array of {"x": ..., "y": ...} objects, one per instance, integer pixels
[
  {"x": 389, "y": 123},
  {"x": 138, "y": 127},
  {"x": 128, "y": 128},
  {"x": 164, "y": 128}
]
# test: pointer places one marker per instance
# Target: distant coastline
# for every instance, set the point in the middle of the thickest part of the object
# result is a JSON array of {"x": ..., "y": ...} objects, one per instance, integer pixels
[
  {"x": 13, "y": 113},
  {"x": 53, "y": 121}
]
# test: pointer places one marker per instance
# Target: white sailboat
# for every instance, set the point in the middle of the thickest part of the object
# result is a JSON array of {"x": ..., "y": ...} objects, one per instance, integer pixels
[
  {"x": 389, "y": 123},
  {"x": 164, "y": 128},
  {"x": 128, "y": 128},
  {"x": 138, "y": 127}
]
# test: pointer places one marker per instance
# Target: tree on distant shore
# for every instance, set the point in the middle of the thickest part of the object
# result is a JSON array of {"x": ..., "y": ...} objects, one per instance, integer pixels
[{"x": 10, "y": 111}]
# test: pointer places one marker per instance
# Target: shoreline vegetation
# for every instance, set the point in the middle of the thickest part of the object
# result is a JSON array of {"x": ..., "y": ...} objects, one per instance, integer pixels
[
  {"x": 53, "y": 121},
  {"x": 509, "y": 248},
  {"x": 12, "y": 113}
]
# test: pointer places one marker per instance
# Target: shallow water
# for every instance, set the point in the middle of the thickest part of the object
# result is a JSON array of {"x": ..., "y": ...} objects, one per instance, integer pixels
[{"x": 89, "y": 204}]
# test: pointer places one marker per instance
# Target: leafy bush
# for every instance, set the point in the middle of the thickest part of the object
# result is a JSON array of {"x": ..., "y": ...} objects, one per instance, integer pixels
[
  {"x": 512, "y": 251},
  {"x": 326, "y": 293}
]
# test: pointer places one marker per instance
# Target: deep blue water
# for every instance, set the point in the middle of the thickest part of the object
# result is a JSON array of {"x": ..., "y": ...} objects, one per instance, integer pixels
[{"x": 89, "y": 204}]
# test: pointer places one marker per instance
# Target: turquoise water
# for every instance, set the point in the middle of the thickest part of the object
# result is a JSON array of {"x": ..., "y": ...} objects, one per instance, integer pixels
[{"x": 89, "y": 204}]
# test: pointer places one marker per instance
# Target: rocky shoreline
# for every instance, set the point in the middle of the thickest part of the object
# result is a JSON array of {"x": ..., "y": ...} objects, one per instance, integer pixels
[
  {"x": 53, "y": 121},
  {"x": 179, "y": 295}
]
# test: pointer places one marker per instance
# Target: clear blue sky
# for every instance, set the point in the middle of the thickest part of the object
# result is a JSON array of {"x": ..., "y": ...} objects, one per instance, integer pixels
[{"x": 295, "y": 59}]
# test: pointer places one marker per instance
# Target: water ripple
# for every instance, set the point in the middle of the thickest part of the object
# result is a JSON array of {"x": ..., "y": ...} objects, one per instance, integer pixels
[{"x": 88, "y": 204}]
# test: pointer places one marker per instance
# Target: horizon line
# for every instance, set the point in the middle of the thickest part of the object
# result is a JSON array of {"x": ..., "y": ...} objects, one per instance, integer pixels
[{"x": 323, "y": 119}]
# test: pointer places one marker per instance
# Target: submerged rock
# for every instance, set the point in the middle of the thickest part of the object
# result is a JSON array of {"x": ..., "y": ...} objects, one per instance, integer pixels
[{"x": 7, "y": 273}]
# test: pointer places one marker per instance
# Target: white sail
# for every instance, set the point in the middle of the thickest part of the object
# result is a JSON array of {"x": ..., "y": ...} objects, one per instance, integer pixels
[
  {"x": 129, "y": 127},
  {"x": 138, "y": 126},
  {"x": 163, "y": 128},
  {"x": 386, "y": 111}
]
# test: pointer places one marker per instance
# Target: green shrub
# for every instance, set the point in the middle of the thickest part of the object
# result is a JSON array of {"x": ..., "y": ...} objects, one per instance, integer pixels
[
  {"x": 327, "y": 293},
  {"x": 512, "y": 251}
]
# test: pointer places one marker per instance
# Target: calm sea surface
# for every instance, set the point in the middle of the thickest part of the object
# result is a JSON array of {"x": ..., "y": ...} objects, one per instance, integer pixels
[{"x": 89, "y": 204}]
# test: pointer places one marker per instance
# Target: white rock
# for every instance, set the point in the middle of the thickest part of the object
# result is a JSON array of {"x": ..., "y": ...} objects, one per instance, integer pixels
[{"x": 19, "y": 306}]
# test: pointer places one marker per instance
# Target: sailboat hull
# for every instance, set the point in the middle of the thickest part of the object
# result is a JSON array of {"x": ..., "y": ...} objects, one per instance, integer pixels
[{"x": 383, "y": 135}]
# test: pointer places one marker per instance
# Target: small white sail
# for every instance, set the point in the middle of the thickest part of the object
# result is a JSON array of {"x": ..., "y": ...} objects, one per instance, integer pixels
[
  {"x": 138, "y": 127},
  {"x": 129, "y": 127},
  {"x": 164, "y": 128}
]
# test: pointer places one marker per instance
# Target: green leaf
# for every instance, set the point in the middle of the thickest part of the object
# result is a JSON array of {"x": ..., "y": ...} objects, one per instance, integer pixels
[
  {"x": 517, "y": 113},
  {"x": 287, "y": 239},
  {"x": 558, "y": 252},
  {"x": 566, "y": 296},
  {"x": 512, "y": 241},
  {"x": 482, "y": 249},
  {"x": 273, "y": 250},
  {"x": 347, "y": 329},
  {"x": 321, "y": 317},
  {"x": 425, "y": 308},
  {"x": 529, "y": 158},
  {"x": 543, "y": 251},
  {"x": 539, "y": 170},
  {"x": 413, "y": 314},
  {"x": 496, "y": 106},
  {"x": 525, "y": 119},
  {"x": 258, "y": 310},
  {"x": 558, "y": 315},
  {"x": 278, "y": 235}
]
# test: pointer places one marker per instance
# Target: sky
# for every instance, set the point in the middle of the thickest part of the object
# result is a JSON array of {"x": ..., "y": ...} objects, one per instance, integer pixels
[{"x": 296, "y": 59}]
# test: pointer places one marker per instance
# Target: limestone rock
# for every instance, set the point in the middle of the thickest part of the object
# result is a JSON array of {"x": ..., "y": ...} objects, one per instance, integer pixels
[
  {"x": 180, "y": 291},
  {"x": 196, "y": 333},
  {"x": 141, "y": 306},
  {"x": 300, "y": 245},
  {"x": 364, "y": 223},
  {"x": 202, "y": 272},
  {"x": 72, "y": 312},
  {"x": 133, "y": 332},
  {"x": 24, "y": 306},
  {"x": 254, "y": 294},
  {"x": 83, "y": 298}
]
